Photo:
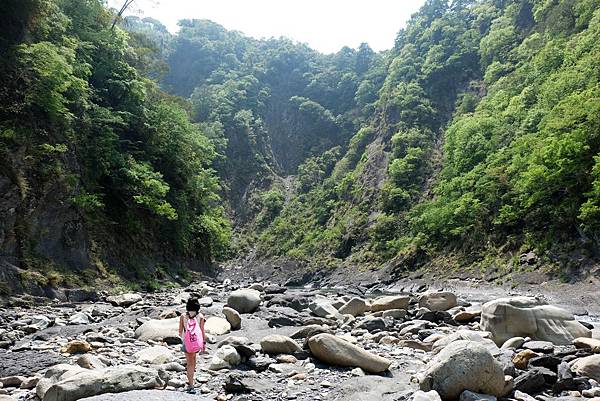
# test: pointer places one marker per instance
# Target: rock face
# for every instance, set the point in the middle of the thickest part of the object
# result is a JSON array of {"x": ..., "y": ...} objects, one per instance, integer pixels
[
  {"x": 233, "y": 317},
  {"x": 69, "y": 383},
  {"x": 438, "y": 301},
  {"x": 244, "y": 301},
  {"x": 336, "y": 351},
  {"x": 588, "y": 366},
  {"x": 463, "y": 365},
  {"x": 124, "y": 299},
  {"x": 390, "y": 302},
  {"x": 76, "y": 347},
  {"x": 528, "y": 317},
  {"x": 278, "y": 344},
  {"x": 158, "y": 330}
]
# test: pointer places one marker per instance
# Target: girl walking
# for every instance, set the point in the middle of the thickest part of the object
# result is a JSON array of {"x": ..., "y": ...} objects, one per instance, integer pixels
[{"x": 191, "y": 331}]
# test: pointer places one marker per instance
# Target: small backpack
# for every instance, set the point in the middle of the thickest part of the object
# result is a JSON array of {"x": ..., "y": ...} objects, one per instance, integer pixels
[{"x": 193, "y": 339}]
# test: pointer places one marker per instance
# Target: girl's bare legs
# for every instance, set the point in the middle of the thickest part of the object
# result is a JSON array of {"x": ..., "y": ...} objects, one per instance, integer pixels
[{"x": 191, "y": 367}]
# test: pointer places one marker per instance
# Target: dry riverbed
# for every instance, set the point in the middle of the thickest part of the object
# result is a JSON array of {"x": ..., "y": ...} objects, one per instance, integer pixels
[{"x": 296, "y": 344}]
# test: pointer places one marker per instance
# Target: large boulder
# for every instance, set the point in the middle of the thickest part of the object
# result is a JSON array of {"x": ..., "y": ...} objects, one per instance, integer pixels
[
  {"x": 216, "y": 326},
  {"x": 593, "y": 344},
  {"x": 244, "y": 300},
  {"x": 148, "y": 395},
  {"x": 70, "y": 383},
  {"x": 529, "y": 317},
  {"x": 233, "y": 317},
  {"x": 226, "y": 357},
  {"x": 355, "y": 307},
  {"x": 438, "y": 301},
  {"x": 336, "y": 351},
  {"x": 463, "y": 365},
  {"x": 278, "y": 344},
  {"x": 468, "y": 335},
  {"x": 159, "y": 330},
  {"x": 154, "y": 355},
  {"x": 324, "y": 308},
  {"x": 124, "y": 299},
  {"x": 588, "y": 367},
  {"x": 390, "y": 302}
]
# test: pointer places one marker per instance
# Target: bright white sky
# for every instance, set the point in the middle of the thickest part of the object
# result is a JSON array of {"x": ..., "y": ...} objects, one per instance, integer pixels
[{"x": 325, "y": 25}]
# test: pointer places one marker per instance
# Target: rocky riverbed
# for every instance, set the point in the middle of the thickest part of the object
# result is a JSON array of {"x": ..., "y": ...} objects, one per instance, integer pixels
[{"x": 269, "y": 342}]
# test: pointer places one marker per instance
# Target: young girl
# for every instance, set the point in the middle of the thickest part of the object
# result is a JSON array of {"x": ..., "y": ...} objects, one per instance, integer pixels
[{"x": 192, "y": 308}]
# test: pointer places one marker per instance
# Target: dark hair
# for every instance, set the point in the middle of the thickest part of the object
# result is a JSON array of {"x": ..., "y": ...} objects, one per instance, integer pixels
[{"x": 192, "y": 304}]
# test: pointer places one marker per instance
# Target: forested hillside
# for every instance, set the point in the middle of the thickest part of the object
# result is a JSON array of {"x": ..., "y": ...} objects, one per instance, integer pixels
[
  {"x": 474, "y": 140},
  {"x": 129, "y": 149},
  {"x": 101, "y": 173}
]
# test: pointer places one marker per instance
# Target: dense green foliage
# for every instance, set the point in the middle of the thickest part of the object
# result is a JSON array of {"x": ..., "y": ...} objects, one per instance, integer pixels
[
  {"x": 488, "y": 127},
  {"x": 78, "y": 118}
]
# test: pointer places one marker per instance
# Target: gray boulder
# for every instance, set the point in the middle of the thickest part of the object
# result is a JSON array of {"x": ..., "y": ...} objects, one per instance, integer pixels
[
  {"x": 70, "y": 383},
  {"x": 355, "y": 307},
  {"x": 390, "y": 302},
  {"x": 463, "y": 365},
  {"x": 278, "y": 344},
  {"x": 529, "y": 317},
  {"x": 233, "y": 317},
  {"x": 588, "y": 367},
  {"x": 158, "y": 330},
  {"x": 124, "y": 300},
  {"x": 336, "y": 351},
  {"x": 438, "y": 301},
  {"x": 244, "y": 300}
]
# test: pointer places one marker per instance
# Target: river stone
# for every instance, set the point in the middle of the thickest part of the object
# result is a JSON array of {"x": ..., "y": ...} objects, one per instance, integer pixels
[
  {"x": 148, "y": 395},
  {"x": 278, "y": 344},
  {"x": 588, "y": 367},
  {"x": 527, "y": 316},
  {"x": 592, "y": 343},
  {"x": 514, "y": 342},
  {"x": 420, "y": 395},
  {"x": 324, "y": 308},
  {"x": 390, "y": 302},
  {"x": 68, "y": 384},
  {"x": 80, "y": 318},
  {"x": 40, "y": 321},
  {"x": 355, "y": 307},
  {"x": 521, "y": 360},
  {"x": 76, "y": 347},
  {"x": 88, "y": 361},
  {"x": 468, "y": 335},
  {"x": 225, "y": 358},
  {"x": 233, "y": 317},
  {"x": 244, "y": 300},
  {"x": 438, "y": 301},
  {"x": 465, "y": 316},
  {"x": 124, "y": 300},
  {"x": 463, "y": 365},
  {"x": 336, "y": 351},
  {"x": 158, "y": 330},
  {"x": 472, "y": 396},
  {"x": 217, "y": 326},
  {"x": 154, "y": 355},
  {"x": 395, "y": 313}
]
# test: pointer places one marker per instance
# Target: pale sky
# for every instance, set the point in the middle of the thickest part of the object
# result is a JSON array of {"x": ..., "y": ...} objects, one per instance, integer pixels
[{"x": 325, "y": 25}]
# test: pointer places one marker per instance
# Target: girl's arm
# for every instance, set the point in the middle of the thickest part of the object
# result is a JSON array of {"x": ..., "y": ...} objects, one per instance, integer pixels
[
  {"x": 201, "y": 318},
  {"x": 180, "y": 325}
]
